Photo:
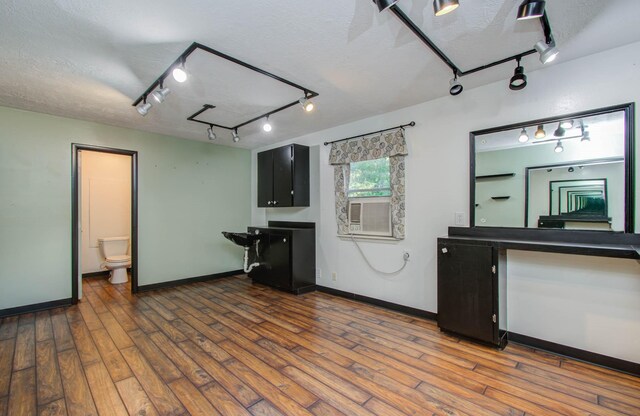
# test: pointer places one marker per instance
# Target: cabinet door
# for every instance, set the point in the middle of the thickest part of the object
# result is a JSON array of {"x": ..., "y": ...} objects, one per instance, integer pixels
[
  {"x": 282, "y": 176},
  {"x": 265, "y": 178},
  {"x": 467, "y": 291}
]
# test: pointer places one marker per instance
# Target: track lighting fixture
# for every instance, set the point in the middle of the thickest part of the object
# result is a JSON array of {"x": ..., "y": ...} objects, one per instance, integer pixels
[
  {"x": 210, "y": 133},
  {"x": 384, "y": 4},
  {"x": 560, "y": 131},
  {"x": 161, "y": 94},
  {"x": 524, "y": 137},
  {"x": 530, "y": 9},
  {"x": 307, "y": 104},
  {"x": 144, "y": 107},
  {"x": 455, "y": 86},
  {"x": 566, "y": 124},
  {"x": 267, "y": 126},
  {"x": 442, "y": 7},
  {"x": 179, "y": 73},
  {"x": 548, "y": 51},
  {"x": 519, "y": 79},
  {"x": 236, "y": 138},
  {"x": 559, "y": 148},
  {"x": 585, "y": 134},
  {"x": 540, "y": 133}
]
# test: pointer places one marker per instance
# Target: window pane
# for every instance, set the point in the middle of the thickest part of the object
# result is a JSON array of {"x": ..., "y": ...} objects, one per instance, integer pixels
[{"x": 370, "y": 178}]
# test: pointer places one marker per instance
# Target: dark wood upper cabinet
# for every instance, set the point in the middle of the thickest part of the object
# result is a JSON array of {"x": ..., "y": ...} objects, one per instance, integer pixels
[{"x": 283, "y": 177}]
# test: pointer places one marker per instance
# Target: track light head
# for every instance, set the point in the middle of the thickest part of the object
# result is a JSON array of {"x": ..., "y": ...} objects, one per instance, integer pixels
[
  {"x": 384, "y": 4},
  {"x": 560, "y": 131},
  {"x": 236, "y": 138},
  {"x": 566, "y": 124},
  {"x": 530, "y": 9},
  {"x": 455, "y": 86},
  {"x": 442, "y": 7},
  {"x": 585, "y": 134},
  {"x": 540, "y": 133},
  {"x": 211, "y": 134},
  {"x": 548, "y": 51},
  {"x": 559, "y": 148},
  {"x": 307, "y": 104},
  {"x": 161, "y": 94},
  {"x": 179, "y": 73},
  {"x": 524, "y": 136},
  {"x": 267, "y": 126},
  {"x": 144, "y": 107},
  {"x": 519, "y": 79}
]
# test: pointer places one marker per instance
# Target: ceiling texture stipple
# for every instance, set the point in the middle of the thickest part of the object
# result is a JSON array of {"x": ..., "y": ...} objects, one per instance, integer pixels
[{"x": 90, "y": 60}]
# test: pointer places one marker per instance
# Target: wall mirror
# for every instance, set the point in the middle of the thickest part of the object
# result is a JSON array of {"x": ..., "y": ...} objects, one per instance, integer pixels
[{"x": 571, "y": 172}]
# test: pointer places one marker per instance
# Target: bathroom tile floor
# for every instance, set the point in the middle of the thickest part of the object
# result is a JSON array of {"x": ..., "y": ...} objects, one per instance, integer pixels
[{"x": 233, "y": 348}]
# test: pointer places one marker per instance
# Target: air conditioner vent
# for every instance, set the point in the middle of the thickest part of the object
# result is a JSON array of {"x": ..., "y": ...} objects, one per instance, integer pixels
[{"x": 370, "y": 216}]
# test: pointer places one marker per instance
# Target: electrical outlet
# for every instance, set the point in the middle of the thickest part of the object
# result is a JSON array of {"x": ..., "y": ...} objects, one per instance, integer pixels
[
  {"x": 459, "y": 219},
  {"x": 334, "y": 276},
  {"x": 318, "y": 273}
]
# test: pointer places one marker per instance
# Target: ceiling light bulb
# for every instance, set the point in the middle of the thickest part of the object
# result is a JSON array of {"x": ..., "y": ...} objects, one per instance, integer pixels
[
  {"x": 307, "y": 104},
  {"x": 442, "y": 7},
  {"x": 236, "y": 138},
  {"x": 160, "y": 95},
  {"x": 548, "y": 51},
  {"x": 179, "y": 74},
  {"x": 524, "y": 137},
  {"x": 566, "y": 124},
  {"x": 559, "y": 148},
  {"x": 384, "y": 4},
  {"x": 143, "y": 109},
  {"x": 455, "y": 86},
  {"x": 519, "y": 79},
  {"x": 530, "y": 9},
  {"x": 540, "y": 133},
  {"x": 211, "y": 134},
  {"x": 267, "y": 126}
]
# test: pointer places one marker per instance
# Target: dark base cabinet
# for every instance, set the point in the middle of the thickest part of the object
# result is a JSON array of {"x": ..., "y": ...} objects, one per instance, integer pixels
[
  {"x": 287, "y": 256},
  {"x": 469, "y": 295}
]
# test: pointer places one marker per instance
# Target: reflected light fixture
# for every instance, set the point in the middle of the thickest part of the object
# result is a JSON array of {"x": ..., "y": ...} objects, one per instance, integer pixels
[
  {"x": 530, "y": 9},
  {"x": 540, "y": 133},
  {"x": 519, "y": 79},
  {"x": 179, "y": 74},
  {"x": 384, "y": 4},
  {"x": 455, "y": 86},
  {"x": 267, "y": 126},
  {"x": 524, "y": 137},
  {"x": 559, "y": 148},
  {"x": 144, "y": 107},
  {"x": 307, "y": 104},
  {"x": 161, "y": 94},
  {"x": 585, "y": 134},
  {"x": 210, "y": 133},
  {"x": 560, "y": 131},
  {"x": 566, "y": 124},
  {"x": 442, "y": 7},
  {"x": 236, "y": 138},
  {"x": 548, "y": 51}
]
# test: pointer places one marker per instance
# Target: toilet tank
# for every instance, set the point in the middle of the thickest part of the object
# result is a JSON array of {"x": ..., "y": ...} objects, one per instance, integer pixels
[{"x": 114, "y": 246}]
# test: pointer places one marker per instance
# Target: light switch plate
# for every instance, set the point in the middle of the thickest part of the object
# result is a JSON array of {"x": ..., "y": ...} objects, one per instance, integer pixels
[{"x": 459, "y": 219}]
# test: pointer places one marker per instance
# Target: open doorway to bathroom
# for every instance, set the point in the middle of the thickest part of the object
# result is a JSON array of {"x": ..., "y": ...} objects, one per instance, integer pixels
[{"x": 104, "y": 214}]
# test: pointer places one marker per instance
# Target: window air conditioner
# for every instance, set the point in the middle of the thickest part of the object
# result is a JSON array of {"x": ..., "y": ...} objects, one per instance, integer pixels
[{"x": 370, "y": 216}]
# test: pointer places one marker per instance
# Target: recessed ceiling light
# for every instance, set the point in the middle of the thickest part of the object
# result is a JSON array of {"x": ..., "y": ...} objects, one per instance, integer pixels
[
  {"x": 442, "y": 7},
  {"x": 524, "y": 137},
  {"x": 530, "y": 9},
  {"x": 540, "y": 133}
]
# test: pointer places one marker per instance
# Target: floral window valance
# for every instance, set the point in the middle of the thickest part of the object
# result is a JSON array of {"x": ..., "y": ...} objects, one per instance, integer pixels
[{"x": 367, "y": 148}]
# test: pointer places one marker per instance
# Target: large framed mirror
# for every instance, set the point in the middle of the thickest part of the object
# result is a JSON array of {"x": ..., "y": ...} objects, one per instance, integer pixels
[{"x": 569, "y": 172}]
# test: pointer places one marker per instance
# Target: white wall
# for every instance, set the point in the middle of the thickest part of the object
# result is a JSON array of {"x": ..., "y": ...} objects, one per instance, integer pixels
[
  {"x": 105, "y": 194},
  {"x": 437, "y": 181}
]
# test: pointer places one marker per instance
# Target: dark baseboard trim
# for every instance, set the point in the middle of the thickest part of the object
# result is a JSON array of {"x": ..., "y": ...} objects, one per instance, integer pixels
[
  {"x": 577, "y": 354},
  {"x": 36, "y": 307},
  {"x": 173, "y": 283},
  {"x": 305, "y": 289},
  {"x": 377, "y": 302},
  {"x": 95, "y": 274}
]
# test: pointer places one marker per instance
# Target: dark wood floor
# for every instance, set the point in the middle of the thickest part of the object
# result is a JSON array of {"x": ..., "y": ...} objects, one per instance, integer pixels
[{"x": 229, "y": 347}]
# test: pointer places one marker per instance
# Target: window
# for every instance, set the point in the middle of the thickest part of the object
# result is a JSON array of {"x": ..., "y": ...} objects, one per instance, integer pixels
[{"x": 370, "y": 178}]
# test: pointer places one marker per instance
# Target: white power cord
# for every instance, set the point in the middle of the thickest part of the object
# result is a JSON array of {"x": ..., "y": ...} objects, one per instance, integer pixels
[{"x": 405, "y": 258}]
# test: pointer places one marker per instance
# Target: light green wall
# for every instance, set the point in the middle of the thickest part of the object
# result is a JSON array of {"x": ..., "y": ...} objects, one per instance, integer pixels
[{"x": 188, "y": 193}]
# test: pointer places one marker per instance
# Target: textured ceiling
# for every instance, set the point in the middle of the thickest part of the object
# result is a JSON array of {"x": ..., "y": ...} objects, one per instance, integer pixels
[{"x": 89, "y": 60}]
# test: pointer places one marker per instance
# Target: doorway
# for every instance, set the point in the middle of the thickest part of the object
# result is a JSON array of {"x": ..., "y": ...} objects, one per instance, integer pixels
[{"x": 77, "y": 212}]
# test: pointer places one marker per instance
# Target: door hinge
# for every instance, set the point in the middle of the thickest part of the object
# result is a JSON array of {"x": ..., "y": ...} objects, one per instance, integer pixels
[
  {"x": 494, "y": 318},
  {"x": 493, "y": 269}
]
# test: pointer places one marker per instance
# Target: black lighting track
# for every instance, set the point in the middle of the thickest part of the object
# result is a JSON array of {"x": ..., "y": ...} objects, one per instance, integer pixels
[
  {"x": 544, "y": 22},
  {"x": 195, "y": 46}
]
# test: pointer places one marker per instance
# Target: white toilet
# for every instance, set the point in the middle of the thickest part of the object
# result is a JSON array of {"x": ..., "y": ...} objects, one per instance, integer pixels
[{"x": 114, "y": 250}]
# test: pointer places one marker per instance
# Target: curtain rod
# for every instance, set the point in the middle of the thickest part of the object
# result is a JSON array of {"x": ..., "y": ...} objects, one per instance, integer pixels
[{"x": 413, "y": 123}]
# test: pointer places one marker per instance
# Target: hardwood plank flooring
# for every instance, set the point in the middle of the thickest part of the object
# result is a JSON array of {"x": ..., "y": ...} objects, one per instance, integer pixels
[{"x": 229, "y": 347}]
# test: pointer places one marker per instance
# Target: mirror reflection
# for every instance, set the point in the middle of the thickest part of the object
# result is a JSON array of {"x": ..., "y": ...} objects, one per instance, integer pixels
[{"x": 566, "y": 174}]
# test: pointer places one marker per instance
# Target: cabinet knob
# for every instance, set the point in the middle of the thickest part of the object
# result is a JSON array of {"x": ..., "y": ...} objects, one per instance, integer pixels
[
  {"x": 275, "y": 202},
  {"x": 284, "y": 240},
  {"x": 269, "y": 202},
  {"x": 445, "y": 251}
]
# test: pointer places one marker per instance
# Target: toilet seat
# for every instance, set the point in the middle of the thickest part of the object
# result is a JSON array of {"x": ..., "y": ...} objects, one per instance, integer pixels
[{"x": 118, "y": 259}]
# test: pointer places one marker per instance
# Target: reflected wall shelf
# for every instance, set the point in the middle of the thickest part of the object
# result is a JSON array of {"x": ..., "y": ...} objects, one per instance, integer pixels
[
  {"x": 497, "y": 176},
  {"x": 500, "y": 198}
]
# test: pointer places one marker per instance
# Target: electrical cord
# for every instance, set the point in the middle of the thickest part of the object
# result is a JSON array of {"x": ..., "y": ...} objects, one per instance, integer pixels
[{"x": 405, "y": 258}]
